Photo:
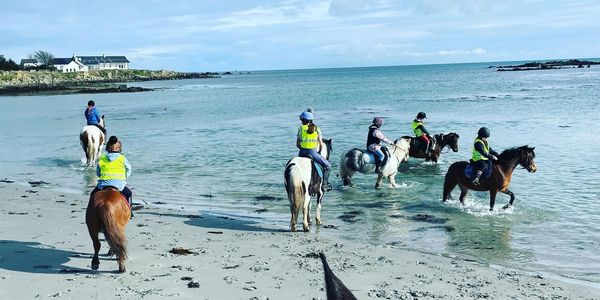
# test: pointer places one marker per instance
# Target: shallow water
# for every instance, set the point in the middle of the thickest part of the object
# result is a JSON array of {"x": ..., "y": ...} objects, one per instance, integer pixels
[{"x": 217, "y": 144}]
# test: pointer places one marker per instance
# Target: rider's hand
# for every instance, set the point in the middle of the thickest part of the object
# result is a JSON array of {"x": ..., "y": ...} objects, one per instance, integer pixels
[{"x": 494, "y": 157}]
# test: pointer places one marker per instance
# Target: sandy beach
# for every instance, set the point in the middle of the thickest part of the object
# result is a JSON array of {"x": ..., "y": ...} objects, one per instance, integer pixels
[{"x": 45, "y": 253}]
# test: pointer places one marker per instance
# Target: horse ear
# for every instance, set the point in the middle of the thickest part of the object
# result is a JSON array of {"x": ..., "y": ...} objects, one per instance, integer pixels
[{"x": 102, "y": 117}]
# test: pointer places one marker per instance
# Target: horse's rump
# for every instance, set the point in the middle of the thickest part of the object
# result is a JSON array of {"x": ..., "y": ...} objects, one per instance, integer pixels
[{"x": 112, "y": 214}]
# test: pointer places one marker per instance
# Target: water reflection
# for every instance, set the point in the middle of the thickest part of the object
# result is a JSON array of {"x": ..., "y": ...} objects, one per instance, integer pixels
[{"x": 89, "y": 180}]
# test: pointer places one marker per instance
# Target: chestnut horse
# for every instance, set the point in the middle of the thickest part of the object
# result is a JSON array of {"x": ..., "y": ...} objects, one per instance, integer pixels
[
  {"x": 108, "y": 212},
  {"x": 499, "y": 180},
  {"x": 440, "y": 141}
]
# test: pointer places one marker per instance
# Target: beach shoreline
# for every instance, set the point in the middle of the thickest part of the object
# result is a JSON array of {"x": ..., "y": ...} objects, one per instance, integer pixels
[{"x": 46, "y": 253}]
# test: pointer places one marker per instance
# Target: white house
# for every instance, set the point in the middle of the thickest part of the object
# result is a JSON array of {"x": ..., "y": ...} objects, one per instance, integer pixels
[
  {"x": 29, "y": 63},
  {"x": 68, "y": 65},
  {"x": 104, "y": 62}
]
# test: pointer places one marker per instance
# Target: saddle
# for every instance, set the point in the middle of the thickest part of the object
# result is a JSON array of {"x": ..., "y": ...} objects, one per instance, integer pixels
[
  {"x": 471, "y": 172},
  {"x": 369, "y": 157}
]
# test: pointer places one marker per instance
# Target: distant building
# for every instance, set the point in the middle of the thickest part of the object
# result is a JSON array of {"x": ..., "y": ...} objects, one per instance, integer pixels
[
  {"x": 29, "y": 63},
  {"x": 83, "y": 63}
]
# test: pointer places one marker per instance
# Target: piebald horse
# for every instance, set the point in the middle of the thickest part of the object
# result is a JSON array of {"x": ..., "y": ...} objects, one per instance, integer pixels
[
  {"x": 353, "y": 161},
  {"x": 440, "y": 141},
  {"x": 91, "y": 139},
  {"x": 499, "y": 180},
  {"x": 301, "y": 183},
  {"x": 108, "y": 212}
]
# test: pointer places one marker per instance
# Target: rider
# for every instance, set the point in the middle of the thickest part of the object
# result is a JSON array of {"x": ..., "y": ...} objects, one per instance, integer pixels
[
  {"x": 482, "y": 153},
  {"x": 92, "y": 116},
  {"x": 308, "y": 140},
  {"x": 112, "y": 170},
  {"x": 418, "y": 127},
  {"x": 374, "y": 142}
]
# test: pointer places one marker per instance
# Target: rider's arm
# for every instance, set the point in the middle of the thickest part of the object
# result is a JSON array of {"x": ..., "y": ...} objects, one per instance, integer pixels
[
  {"x": 378, "y": 134},
  {"x": 479, "y": 148},
  {"x": 96, "y": 115},
  {"x": 492, "y": 152},
  {"x": 298, "y": 138},
  {"x": 423, "y": 129}
]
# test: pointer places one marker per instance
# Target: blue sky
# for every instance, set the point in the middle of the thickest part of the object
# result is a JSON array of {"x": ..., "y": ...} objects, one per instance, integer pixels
[{"x": 220, "y": 35}]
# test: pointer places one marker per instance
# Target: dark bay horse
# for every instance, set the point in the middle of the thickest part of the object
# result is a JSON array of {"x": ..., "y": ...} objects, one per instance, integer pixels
[
  {"x": 440, "y": 141},
  {"x": 499, "y": 180},
  {"x": 108, "y": 212},
  {"x": 336, "y": 290}
]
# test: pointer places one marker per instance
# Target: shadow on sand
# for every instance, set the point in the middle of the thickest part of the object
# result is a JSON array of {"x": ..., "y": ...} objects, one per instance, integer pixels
[
  {"x": 219, "y": 222},
  {"x": 33, "y": 257}
]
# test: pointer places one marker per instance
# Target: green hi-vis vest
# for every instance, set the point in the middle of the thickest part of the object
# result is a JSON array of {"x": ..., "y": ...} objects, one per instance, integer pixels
[
  {"x": 112, "y": 169},
  {"x": 308, "y": 141},
  {"x": 476, "y": 155},
  {"x": 418, "y": 131}
]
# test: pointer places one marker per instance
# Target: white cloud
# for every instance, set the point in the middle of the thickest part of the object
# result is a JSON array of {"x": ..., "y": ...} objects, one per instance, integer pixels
[{"x": 476, "y": 51}]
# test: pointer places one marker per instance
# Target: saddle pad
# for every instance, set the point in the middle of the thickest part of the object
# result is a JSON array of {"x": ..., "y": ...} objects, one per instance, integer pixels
[
  {"x": 470, "y": 171},
  {"x": 318, "y": 168},
  {"x": 368, "y": 157}
]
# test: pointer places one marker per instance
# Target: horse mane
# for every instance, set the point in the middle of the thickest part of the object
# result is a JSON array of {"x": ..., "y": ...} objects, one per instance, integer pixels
[{"x": 513, "y": 153}]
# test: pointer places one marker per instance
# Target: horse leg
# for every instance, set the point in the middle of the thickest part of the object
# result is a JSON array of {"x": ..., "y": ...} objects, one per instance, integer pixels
[
  {"x": 319, "y": 200},
  {"x": 346, "y": 176},
  {"x": 449, "y": 185},
  {"x": 512, "y": 198},
  {"x": 493, "y": 193},
  {"x": 463, "y": 194},
  {"x": 392, "y": 179},
  {"x": 305, "y": 206},
  {"x": 294, "y": 217},
  {"x": 93, "y": 229},
  {"x": 308, "y": 212},
  {"x": 379, "y": 180}
]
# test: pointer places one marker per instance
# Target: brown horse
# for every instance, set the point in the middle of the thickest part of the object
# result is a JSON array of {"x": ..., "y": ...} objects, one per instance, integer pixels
[
  {"x": 499, "y": 180},
  {"x": 108, "y": 212},
  {"x": 440, "y": 141}
]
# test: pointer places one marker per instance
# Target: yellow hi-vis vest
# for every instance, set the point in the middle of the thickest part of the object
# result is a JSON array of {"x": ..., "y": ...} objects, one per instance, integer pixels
[
  {"x": 112, "y": 169},
  {"x": 476, "y": 155},
  {"x": 418, "y": 131},
  {"x": 308, "y": 141}
]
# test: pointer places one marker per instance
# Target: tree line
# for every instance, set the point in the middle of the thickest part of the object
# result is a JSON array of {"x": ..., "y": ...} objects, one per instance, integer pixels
[{"x": 43, "y": 59}]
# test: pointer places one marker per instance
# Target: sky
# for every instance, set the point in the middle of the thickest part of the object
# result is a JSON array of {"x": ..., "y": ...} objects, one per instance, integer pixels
[{"x": 225, "y": 35}]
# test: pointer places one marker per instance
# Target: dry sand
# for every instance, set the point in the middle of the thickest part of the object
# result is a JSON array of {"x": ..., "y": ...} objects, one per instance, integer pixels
[{"x": 45, "y": 253}]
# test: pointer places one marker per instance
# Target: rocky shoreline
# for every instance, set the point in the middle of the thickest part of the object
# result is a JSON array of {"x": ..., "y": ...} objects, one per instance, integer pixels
[
  {"x": 48, "y": 82},
  {"x": 550, "y": 65}
]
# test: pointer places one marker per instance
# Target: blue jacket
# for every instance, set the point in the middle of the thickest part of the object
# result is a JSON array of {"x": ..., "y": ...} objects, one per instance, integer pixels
[
  {"x": 92, "y": 116},
  {"x": 120, "y": 184}
]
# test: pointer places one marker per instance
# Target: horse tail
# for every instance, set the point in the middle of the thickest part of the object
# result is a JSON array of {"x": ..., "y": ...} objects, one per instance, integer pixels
[
  {"x": 114, "y": 235},
  {"x": 353, "y": 158}
]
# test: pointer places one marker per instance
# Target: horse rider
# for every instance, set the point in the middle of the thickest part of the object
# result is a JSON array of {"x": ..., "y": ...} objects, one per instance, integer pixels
[
  {"x": 482, "y": 153},
  {"x": 374, "y": 140},
  {"x": 113, "y": 169},
  {"x": 418, "y": 127},
  {"x": 308, "y": 140},
  {"x": 92, "y": 116}
]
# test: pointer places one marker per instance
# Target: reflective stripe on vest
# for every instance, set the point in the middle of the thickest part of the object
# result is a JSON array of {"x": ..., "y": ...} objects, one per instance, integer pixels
[
  {"x": 476, "y": 155},
  {"x": 112, "y": 169},
  {"x": 308, "y": 140},
  {"x": 418, "y": 131}
]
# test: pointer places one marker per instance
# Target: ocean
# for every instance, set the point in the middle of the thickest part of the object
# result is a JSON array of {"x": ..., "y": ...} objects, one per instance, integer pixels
[{"x": 220, "y": 146}]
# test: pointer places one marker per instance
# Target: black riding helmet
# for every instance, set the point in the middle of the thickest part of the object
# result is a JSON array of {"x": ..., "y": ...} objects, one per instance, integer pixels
[
  {"x": 421, "y": 115},
  {"x": 484, "y": 132}
]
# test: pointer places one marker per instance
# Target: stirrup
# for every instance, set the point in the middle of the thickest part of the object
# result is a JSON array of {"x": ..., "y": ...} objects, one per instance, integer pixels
[
  {"x": 328, "y": 187},
  {"x": 476, "y": 181}
]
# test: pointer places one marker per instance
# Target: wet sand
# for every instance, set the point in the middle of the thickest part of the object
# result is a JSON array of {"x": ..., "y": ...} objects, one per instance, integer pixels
[{"x": 45, "y": 253}]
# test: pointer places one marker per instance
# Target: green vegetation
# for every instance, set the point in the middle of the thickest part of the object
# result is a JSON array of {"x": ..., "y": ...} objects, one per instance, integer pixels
[
  {"x": 8, "y": 65},
  {"x": 44, "y": 58}
]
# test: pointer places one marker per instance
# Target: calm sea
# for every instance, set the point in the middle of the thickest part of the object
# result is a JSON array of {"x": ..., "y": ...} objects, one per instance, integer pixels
[{"x": 220, "y": 146}]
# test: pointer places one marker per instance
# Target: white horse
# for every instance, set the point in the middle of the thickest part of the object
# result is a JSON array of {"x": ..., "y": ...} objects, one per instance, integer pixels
[
  {"x": 362, "y": 161},
  {"x": 301, "y": 182},
  {"x": 92, "y": 138}
]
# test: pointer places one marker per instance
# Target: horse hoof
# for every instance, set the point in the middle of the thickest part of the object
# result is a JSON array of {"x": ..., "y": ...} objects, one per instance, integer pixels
[
  {"x": 507, "y": 206},
  {"x": 293, "y": 229},
  {"x": 95, "y": 266},
  {"x": 122, "y": 269},
  {"x": 306, "y": 228}
]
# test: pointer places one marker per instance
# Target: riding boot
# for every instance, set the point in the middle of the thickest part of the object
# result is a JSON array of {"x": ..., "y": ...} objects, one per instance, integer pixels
[
  {"x": 476, "y": 180},
  {"x": 326, "y": 185},
  {"x": 130, "y": 201},
  {"x": 378, "y": 165}
]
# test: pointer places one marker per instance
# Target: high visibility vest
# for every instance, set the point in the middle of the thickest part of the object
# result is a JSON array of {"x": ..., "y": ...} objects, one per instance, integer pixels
[
  {"x": 418, "y": 131},
  {"x": 308, "y": 141},
  {"x": 112, "y": 169},
  {"x": 476, "y": 155}
]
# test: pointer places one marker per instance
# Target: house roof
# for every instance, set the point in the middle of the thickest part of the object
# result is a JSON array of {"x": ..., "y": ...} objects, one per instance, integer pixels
[
  {"x": 94, "y": 60},
  {"x": 61, "y": 61},
  {"x": 28, "y": 61}
]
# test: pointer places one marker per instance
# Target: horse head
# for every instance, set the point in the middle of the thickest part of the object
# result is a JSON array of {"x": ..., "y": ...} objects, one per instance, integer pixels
[
  {"x": 102, "y": 121},
  {"x": 523, "y": 156},
  {"x": 450, "y": 140}
]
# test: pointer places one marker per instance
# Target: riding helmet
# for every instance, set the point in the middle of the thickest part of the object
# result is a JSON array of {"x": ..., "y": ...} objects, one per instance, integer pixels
[
  {"x": 378, "y": 121},
  {"x": 421, "y": 115},
  {"x": 484, "y": 132},
  {"x": 306, "y": 116}
]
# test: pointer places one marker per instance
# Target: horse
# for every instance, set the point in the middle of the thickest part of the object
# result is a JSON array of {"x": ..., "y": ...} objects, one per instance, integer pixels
[
  {"x": 353, "y": 161},
  {"x": 301, "y": 182},
  {"x": 91, "y": 139},
  {"x": 109, "y": 213},
  {"x": 499, "y": 179},
  {"x": 336, "y": 290},
  {"x": 440, "y": 141}
]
